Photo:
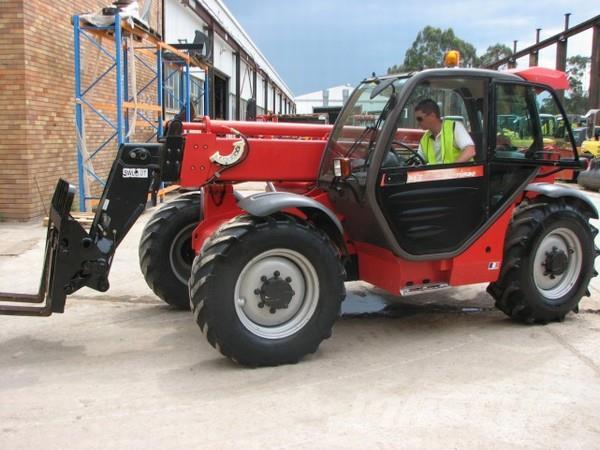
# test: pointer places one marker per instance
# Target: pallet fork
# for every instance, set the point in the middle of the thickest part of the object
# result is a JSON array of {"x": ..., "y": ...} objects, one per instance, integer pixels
[{"x": 75, "y": 258}]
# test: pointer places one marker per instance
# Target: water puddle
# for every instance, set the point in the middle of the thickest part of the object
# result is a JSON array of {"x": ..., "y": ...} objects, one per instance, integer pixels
[{"x": 374, "y": 306}]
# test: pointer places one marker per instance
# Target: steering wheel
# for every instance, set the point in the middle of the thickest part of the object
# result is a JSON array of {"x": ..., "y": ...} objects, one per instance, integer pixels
[{"x": 416, "y": 159}]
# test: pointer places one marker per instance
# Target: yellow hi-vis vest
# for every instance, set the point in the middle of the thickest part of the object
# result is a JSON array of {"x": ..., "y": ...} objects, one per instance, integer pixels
[{"x": 450, "y": 152}]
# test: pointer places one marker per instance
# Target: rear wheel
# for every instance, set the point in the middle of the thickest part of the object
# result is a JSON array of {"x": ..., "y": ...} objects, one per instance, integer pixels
[
  {"x": 166, "y": 252},
  {"x": 548, "y": 262},
  {"x": 267, "y": 291}
]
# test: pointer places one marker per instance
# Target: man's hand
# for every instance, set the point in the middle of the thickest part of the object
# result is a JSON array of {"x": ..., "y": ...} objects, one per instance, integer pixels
[{"x": 467, "y": 154}]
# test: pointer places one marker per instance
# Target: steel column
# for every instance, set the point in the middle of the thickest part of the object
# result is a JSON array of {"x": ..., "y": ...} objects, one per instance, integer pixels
[
  {"x": 561, "y": 54},
  {"x": 160, "y": 93},
  {"x": 237, "y": 86},
  {"x": 188, "y": 92},
  {"x": 206, "y": 94},
  {"x": 119, "y": 76},
  {"x": 79, "y": 115},
  {"x": 594, "y": 101}
]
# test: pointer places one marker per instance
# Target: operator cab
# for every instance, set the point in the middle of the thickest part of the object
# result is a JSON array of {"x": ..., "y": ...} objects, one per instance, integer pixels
[{"x": 394, "y": 199}]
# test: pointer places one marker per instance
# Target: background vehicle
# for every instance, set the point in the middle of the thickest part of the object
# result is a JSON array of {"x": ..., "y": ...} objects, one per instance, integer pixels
[
  {"x": 591, "y": 145},
  {"x": 264, "y": 275}
]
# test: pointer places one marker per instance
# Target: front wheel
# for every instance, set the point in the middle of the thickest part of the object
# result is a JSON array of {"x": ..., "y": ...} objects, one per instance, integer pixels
[
  {"x": 267, "y": 291},
  {"x": 166, "y": 252},
  {"x": 548, "y": 262}
]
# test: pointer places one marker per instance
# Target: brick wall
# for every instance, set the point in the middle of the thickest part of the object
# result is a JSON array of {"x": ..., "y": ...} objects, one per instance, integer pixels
[
  {"x": 14, "y": 163},
  {"x": 37, "y": 116}
]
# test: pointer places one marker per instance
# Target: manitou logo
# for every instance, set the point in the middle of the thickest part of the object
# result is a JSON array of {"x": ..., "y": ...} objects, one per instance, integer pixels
[
  {"x": 444, "y": 174},
  {"x": 135, "y": 173}
]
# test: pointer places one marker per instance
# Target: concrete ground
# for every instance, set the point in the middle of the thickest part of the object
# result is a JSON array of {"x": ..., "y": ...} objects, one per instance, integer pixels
[{"x": 441, "y": 370}]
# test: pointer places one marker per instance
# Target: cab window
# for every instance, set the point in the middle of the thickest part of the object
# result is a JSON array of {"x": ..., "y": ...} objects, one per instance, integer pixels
[
  {"x": 515, "y": 134},
  {"x": 553, "y": 127},
  {"x": 460, "y": 101}
]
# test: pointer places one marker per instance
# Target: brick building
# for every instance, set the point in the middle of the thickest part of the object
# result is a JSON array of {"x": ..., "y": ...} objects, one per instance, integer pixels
[
  {"x": 36, "y": 101},
  {"x": 37, "y": 110}
]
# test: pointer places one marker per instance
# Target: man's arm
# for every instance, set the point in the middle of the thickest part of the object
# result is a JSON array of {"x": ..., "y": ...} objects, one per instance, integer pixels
[
  {"x": 467, "y": 154},
  {"x": 463, "y": 140}
]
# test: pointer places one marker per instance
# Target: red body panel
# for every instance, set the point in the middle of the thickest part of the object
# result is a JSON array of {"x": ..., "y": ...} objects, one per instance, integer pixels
[
  {"x": 277, "y": 129},
  {"x": 267, "y": 160},
  {"x": 291, "y": 154},
  {"x": 278, "y": 151},
  {"x": 219, "y": 206},
  {"x": 556, "y": 79},
  {"x": 480, "y": 263}
]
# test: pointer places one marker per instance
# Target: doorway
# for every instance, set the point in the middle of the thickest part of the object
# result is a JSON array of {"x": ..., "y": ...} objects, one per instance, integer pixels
[{"x": 221, "y": 89}]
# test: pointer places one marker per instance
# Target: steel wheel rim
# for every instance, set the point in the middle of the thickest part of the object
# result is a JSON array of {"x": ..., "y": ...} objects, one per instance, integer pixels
[
  {"x": 181, "y": 254},
  {"x": 284, "y": 322},
  {"x": 565, "y": 240}
]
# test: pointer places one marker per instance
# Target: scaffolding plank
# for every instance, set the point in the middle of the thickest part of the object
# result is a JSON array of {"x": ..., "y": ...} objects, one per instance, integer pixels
[{"x": 127, "y": 105}]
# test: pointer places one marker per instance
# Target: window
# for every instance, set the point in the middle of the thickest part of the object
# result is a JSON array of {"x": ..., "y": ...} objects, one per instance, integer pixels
[
  {"x": 232, "y": 105},
  {"x": 451, "y": 104},
  {"x": 515, "y": 134},
  {"x": 529, "y": 124},
  {"x": 172, "y": 90},
  {"x": 197, "y": 95},
  {"x": 243, "y": 108},
  {"x": 555, "y": 136},
  {"x": 459, "y": 103}
]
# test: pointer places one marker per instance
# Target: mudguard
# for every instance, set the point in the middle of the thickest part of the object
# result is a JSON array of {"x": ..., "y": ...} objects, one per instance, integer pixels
[
  {"x": 266, "y": 203},
  {"x": 554, "y": 191}
]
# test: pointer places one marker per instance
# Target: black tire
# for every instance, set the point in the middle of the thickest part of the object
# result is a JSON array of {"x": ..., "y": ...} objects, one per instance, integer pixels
[
  {"x": 590, "y": 178},
  {"x": 540, "y": 282},
  {"x": 165, "y": 250},
  {"x": 239, "y": 257}
]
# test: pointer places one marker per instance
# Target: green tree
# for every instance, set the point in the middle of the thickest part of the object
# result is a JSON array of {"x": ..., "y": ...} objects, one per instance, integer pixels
[
  {"x": 494, "y": 53},
  {"x": 576, "y": 100},
  {"x": 427, "y": 51}
]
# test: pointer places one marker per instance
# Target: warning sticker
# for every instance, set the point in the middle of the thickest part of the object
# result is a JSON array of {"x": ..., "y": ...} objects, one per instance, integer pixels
[
  {"x": 444, "y": 174},
  {"x": 135, "y": 173}
]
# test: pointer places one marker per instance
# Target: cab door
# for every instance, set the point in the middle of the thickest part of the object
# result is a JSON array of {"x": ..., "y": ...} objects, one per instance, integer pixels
[{"x": 435, "y": 209}]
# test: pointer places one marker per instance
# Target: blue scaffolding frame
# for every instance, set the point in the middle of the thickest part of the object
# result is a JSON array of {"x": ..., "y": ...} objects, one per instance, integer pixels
[{"x": 118, "y": 64}]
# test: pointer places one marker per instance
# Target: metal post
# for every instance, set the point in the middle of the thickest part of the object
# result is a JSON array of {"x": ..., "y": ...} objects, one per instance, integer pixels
[
  {"x": 206, "y": 96},
  {"x": 266, "y": 86},
  {"x": 159, "y": 93},
  {"x": 513, "y": 62},
  {"x": 188, "y": 92},
  {"x": 79, "y": 114},
  {"x": 561, "y": 48},
  {"x": 561, "y": 55},
  {"x": 126, "y": 89},
  {"x": 254, "y": 83},
  {"x": 119, "y": 76},
  {"x": 594, "y": 101},
  {"x": 534, "y": 55},
  {"x": 180, "y": 80},
  {"x": 238, "y": 93}
]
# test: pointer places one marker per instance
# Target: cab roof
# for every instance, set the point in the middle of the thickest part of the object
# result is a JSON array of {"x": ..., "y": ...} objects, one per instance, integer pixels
[{"x": 550, "y": 77}]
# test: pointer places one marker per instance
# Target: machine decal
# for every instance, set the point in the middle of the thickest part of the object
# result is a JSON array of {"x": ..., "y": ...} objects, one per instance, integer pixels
[
  {"x": 135, "y": 173},
  {"x": 232, "y": 158},
  {"x": 444, "y": 174}
]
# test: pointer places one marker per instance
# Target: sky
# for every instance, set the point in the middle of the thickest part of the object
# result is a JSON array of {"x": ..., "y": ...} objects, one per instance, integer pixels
[{"x": 316, "y": 44}]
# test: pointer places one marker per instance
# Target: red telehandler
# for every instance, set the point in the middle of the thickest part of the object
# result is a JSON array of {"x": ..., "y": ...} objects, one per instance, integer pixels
[{"x": 264, "y": 275}]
